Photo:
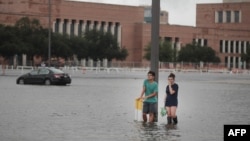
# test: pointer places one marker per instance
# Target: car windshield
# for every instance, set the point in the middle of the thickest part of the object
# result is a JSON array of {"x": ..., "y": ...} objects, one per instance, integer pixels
[{"x": 56, "y": 70}]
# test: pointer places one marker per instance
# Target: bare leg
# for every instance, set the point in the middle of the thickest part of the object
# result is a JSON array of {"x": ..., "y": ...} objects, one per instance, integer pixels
[
  {"x": 173, "y": 111},
  {"x": 151, "y": 117},
  {"x": 144, "y": 116},
  {"x": 173, "y": 114},
  {"x": 169, "y": 115}
]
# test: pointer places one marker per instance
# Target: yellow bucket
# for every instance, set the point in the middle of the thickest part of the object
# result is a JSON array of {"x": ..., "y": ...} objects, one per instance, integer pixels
[
  {"x": 138, "y": 109},
  {"x": 138, "y": 104}
]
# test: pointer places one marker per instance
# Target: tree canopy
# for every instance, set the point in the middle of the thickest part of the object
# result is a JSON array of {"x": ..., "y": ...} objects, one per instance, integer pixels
[
  {"x": 103, "y": 45},
  {"x": 196, "y": 53},
  {"x": 166, "y": 52}
]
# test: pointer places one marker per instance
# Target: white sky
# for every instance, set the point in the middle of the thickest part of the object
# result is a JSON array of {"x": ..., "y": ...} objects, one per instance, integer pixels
[{"x": 181, "y": 12}]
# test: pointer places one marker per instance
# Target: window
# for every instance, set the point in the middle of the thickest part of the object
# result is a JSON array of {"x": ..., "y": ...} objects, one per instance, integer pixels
[
  {"x": 220, "y": 16},
  {"x": 95, "y": 25},
  {"x": 110, "y": 27},
  {"x": 102, "y": 26},
  {"x": 44, "y": 71},
  {"x": 226, "y": 60},
  {"x": 34, "y": 72},
  {"x": 117, "y": 25},
  {"x": 88, "y": 28},
  {"x": 236, "y": 16},
  {"x": 205, "y": 42},
  {"x": 57, "y": 25},
  {"x": 237, "y": 46},
  {"x": 65, "y": 23},
  {"x": 221, "y": 46},
  {"x": 236, "y": 62},
  {"x": 226, "y": 46},
  {"x": 232, "y": 47},
  {"x": 168, "y": 39},
  {"x": 199, "y": 42},
  {"x": 242, "y": 47},
  {"x": 231, "y": 62},
  {"x": 72, "y": 27},
  {"x": 194, "y": 41},
  {"x": 80, "y": 28},
  {"x": 228, "y": 15},
  {"x": 147, "y": 12}
]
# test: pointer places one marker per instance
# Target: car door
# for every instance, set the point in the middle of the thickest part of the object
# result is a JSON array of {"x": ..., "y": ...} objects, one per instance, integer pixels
[
  {"x": 42, "y": 75},
  {"x": 32, "y": 77}
]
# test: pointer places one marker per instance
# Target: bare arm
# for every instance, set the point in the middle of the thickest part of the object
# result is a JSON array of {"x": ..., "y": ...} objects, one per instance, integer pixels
[
  {"x": 151, "y": 95},
  {"x": 171, "y": 90},
  {"x": 165, "y": 98},
  {"x": 142, "y": 92}
]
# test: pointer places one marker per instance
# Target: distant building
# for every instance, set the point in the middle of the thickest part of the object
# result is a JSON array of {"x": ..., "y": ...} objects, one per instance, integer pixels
[
  {"x": 148, "y": 15},
  {"x": 223, "y": 26},
  {"x": 226, "y": 29}
]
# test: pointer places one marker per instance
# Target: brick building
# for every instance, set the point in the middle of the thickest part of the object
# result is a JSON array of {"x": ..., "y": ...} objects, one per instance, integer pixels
[{"x": 224, "y": 27}]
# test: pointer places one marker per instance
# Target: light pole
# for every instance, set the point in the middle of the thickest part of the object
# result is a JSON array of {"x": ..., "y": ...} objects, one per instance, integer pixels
[
  {"x": 154, "y": 64},
  {"x": 49, "y": 38}
]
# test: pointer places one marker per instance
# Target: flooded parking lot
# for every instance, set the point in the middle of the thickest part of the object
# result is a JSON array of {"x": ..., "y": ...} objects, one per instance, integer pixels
[{"x": 100, "y": 106}]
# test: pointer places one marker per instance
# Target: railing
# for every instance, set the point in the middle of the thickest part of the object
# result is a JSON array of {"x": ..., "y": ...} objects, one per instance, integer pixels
[{"x": 138, "y": 67}]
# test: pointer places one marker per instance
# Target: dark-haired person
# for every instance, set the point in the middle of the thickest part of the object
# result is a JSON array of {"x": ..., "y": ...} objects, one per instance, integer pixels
[
  {"x": 149, "y": 96},
  {"x": 171, "y": 100}
]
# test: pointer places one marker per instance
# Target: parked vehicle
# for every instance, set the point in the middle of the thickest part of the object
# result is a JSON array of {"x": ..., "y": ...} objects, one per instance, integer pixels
[{"x": 46, "y": 76}]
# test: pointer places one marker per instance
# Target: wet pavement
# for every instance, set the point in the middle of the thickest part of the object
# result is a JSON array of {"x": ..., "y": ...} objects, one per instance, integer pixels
[{"x": 99, "y": 106}]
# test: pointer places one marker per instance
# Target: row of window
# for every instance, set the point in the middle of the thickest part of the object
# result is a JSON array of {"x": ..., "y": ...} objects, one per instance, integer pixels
[
  {"x": 228, "y": 16},
  {"x": 233, "y": 62},
  {"x": 228, "y": 46},
  {"x": 83, "y": 26},
  {"x": 201, "y": 42}
]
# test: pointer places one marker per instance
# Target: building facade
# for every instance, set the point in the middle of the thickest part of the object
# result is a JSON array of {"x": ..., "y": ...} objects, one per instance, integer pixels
[{"x": 224, "y": 27}]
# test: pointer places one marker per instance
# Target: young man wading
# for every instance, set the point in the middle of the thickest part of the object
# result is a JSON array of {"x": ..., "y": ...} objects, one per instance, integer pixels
[{"x": 149, "y": 97}]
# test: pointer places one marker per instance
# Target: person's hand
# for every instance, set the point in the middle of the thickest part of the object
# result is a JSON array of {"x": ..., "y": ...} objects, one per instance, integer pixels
[
  {"x": 169, "y": 83},
  {"x": 145, "y": 97}
]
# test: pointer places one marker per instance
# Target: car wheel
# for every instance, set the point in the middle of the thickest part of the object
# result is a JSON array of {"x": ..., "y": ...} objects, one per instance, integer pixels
[
  {"x": 47, "y": 82},
  {"x": 21, "y": 81}
]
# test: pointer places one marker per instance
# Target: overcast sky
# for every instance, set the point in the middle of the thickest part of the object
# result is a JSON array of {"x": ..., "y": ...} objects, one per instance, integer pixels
[{"x": 181, "y": 12}]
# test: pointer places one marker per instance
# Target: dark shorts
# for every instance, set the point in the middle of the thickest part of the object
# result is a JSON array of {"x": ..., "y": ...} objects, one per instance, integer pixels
[
  {"x": 149, "y": 107},
  {"x": 171, "y": 102}
]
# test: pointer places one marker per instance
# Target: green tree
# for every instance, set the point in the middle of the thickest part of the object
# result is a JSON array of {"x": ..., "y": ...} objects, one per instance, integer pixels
[
  {"x": 61, "y": 46},
  {"x": 165, "y": 52},
  {"x": 9, "y": 45},
  {"x": 103, "y": 45},
  {"x": 33, "y": 37},
  {"x": 196, "y": 53},
  {"x": 122, "y": 55},
  {"x": 30, "y": 38},
  {"x": 79, "y": 47}
]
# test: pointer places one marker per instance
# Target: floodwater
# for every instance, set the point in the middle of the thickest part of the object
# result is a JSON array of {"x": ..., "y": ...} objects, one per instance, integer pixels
[{"x": 99, "y": 106}]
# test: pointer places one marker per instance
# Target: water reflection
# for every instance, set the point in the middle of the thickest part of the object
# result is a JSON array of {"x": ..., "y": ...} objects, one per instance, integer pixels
[{"x": 157, "y": 131}]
